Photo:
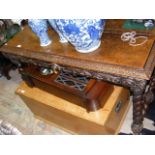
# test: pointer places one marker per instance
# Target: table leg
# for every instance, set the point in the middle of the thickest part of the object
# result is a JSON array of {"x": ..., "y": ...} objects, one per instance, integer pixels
[
  {"x": 138, "y": 89},
  {"x": 92, "y": 105},
  {"x": 141, "y": 100},
  {"x": 26, "y": 78},
  {"x": 150, "y": 94},
  {"x": 138, "y": 116}
]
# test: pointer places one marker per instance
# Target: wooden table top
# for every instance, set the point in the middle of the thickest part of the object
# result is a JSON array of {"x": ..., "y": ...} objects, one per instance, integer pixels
[{"x": 114, "y": 56}]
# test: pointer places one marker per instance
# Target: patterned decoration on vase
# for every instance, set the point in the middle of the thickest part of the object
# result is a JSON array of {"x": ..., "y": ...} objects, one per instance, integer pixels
[
  {"x": 84, "y": 34},
  {"x": 53, "y": 24},
  {"x": 40, "y": 28}
]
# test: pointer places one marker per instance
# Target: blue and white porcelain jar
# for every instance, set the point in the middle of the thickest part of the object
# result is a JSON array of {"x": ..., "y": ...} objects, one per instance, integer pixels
[
  {"x": 40, "y": 28},
  {"x": 84, "y": 34},
  {"x": 53, "y": 24}
]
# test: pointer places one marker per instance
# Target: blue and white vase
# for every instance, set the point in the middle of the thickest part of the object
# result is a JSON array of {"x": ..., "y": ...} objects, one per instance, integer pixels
[
  {"x": 84, "y": 34},
  {"x": 40, "y": 28},
  {"x": 53, "y": 24}
]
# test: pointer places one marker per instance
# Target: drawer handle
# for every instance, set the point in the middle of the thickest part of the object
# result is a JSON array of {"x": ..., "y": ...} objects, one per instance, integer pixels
[
  {"x": 118, "y": 107},
  {"x": 54, "y": 69},
  {"x": 46, "y": 71}
]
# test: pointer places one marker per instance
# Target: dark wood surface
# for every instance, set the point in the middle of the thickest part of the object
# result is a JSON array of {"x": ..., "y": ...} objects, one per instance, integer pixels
[
  {"x": 115, "y": 26},
  {"x": 93, "y": 91},
  {"x": 113, "y": 56}
]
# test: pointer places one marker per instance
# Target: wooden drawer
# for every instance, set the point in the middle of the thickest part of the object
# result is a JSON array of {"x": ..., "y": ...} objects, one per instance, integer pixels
[
  {"x": 91, "y": 90},
  {"x": 64, "y": 113}
]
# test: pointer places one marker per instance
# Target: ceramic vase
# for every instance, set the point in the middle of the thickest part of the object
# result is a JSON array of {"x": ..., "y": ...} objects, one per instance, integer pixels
[
  {"x": 40, "y": 28},
  {"x": 83, "y": 34},
  {"x": 53, "y": 24}
]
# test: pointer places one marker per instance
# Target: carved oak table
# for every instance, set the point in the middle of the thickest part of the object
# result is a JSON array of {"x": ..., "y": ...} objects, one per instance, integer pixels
[{"x": 115, "y": 61}]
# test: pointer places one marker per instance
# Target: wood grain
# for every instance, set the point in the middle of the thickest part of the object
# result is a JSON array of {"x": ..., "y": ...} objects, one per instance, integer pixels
[
  {"x": 93, "y": 91},
  {"x": 113, "y": 56},
  {"x": 72, "y": 117},
  {"x": 116, "y": 26}
]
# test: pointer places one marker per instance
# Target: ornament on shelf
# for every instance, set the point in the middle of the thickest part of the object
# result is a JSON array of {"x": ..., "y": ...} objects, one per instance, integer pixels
[{"x": 83, "y": 34}]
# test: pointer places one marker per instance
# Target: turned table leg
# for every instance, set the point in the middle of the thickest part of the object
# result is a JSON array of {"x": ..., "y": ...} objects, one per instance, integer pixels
[
  {"x": 150, "y": 93},
  {"x": 138, "y": 89},
  {"x": 141, "y": 99},
  {"x": 138, "y": 116}
]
